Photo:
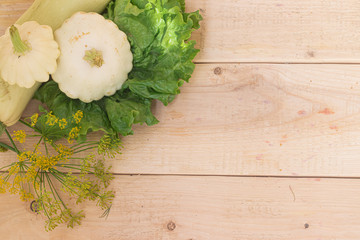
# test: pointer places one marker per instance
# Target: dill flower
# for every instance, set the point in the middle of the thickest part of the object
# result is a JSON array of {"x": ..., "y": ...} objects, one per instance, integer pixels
[
  {"x": 105, "y": 200},
  {"x": 3, "y": 185},
  {"x": 14, "y": 169},
  {"x": 51, "y": 119},
  {"x": 22, "y": 156},
  {"x": 73, "y": 134},
  {"x": 62, "y": 123},
  {"x": 78, "y": 116},
  {"x": 73, "y": 219},
  {"x": 46, "y": 162},
  {"x": 64, "y": 152},
  {"x": 31, "y": 173},
  {"x": 20, "y": 136},
  {"x": 25, "y": 196},
  {"x": 109, "y": 145},
  {"x": 33, "y": 119},
  {"x": 35, "y": 175}
]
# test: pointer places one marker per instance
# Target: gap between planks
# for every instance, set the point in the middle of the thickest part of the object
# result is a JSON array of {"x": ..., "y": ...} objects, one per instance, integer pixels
[
  {"x": 277, "y": 63},
  {"x": 233, "y": 176}
]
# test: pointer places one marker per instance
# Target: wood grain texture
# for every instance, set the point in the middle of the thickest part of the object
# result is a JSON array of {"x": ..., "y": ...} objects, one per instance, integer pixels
[
  {"x": 208, "y": 208},
  {"x": 255, "y": 120},
  {"x": 18, "y": 222},
  {"x": 238, "y": 119},
  {"x": 10, "y": 11},
  {"x": 278, "y": 31},
  {"x": 248, "y": 119},
  {"x": 263, "y": 31}
]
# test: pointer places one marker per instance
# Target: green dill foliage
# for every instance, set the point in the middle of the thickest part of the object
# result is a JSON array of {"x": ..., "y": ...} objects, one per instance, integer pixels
[{"x": 59, "y": 164}]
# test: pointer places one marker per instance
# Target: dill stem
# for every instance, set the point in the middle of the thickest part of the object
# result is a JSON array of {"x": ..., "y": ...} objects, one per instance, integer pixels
[
  {"x": 84, "y": 145},
  {"x": 7, "y": 147},
  {"x": 43, "y": 182},
  {"x": 62, "y": 181},
  {"x": 77, "y": 169},
  {"x": 28, "y": 125},
  {"x": 39, "y": 141},
  {"x": 7, "y": 166},
  {"x": 82, "y": 150},
  {"x": 70, "y": 164},
  {"x": 37, "y": 194},
  {"x": 28, "y": 182},
  {"x": 46, "y": 148},
  {"x": 52, "y": 188},
  {"x": 12, "y": 141},
  {"x": 78, "y": 144}
]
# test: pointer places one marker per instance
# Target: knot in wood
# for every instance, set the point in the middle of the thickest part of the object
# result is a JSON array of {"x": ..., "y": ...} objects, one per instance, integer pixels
[
  {"x": 217, "y": 71},
  {"x": 171, "y": 226},
  {"x": 34, "y": 206}
]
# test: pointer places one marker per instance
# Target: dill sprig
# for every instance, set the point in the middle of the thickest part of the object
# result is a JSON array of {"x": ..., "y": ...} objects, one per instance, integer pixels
[{"x": 52, "y": 169}]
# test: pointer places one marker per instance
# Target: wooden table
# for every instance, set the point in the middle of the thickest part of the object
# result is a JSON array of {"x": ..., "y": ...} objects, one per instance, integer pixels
[{"x": 263, "y": 143}]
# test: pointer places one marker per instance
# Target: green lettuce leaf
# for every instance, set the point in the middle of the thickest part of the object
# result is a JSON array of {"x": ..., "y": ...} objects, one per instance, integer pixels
[
  {"x": 162, "y": 56},
  {"x": 94, "y": 118},
  {"x": 133, "y": 110},
  {"x": 158, "y": 32}
]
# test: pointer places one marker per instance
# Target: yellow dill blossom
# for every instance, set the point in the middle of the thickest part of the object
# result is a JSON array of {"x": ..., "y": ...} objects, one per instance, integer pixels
[
  {"x": 25, "y": 196},
  {"x": 109, "y": 146},
  {"x": 45, "y": 162},
  {"x": 17, "y": 180},
  {"x": 31, "y": 173},
  {"x": 13, "y": 190},
  {"x": 62, "y": 123},
  {"x": 22, "y": 156},
  {"x": 3, "y": 185},
  {"x": 51, "y": 119},
  {"x": 78, "y": 116},
  {"x": 19, "y": 136},
  {"x": 64, "y": 152},
  {"x": 34, "y": 175},
  {"x": 36, "y": 185},
  {"x": 73, "y": 134},
  {"x": 14, "y": 169},
  {"x": 31, "y": 155},
  {"x": 34, "y": 119},
  {"x": 48, "y": 140}
]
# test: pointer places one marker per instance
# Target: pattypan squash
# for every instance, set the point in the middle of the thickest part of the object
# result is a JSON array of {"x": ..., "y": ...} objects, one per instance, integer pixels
[
  {"x": 95, "y": 57},
  {"x": 28, "y": 54}
]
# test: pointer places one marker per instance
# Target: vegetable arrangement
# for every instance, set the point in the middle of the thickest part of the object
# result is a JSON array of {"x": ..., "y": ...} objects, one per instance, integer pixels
[
  {"x": 13, "y": 98},
  {"x": 105, "y": 64}
]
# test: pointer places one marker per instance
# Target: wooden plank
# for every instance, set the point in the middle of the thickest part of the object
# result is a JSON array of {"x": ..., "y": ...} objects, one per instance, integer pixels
[
  {"x": 18, "y": 221},
  {"x": 252, "y": 120},
  {"x": 211, "y": 208},
  {"x": 10, "y": 11},
  {"x": 255, "y": 120},
  {"x": 278, "y": 31},
  {"x": 263, "y": 31}
]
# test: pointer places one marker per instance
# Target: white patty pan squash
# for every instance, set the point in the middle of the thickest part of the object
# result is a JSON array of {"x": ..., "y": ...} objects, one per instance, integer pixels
[
  {"x": 28, "y": 54},
  {"x": 95, "y": 57},
  {"x": 13, "y": 98}
]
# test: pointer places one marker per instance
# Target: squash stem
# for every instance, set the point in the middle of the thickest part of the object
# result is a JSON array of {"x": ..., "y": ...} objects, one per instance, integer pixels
[
  {"x": 94, "y": 57},
  {"x": 20, "y": 46}
]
